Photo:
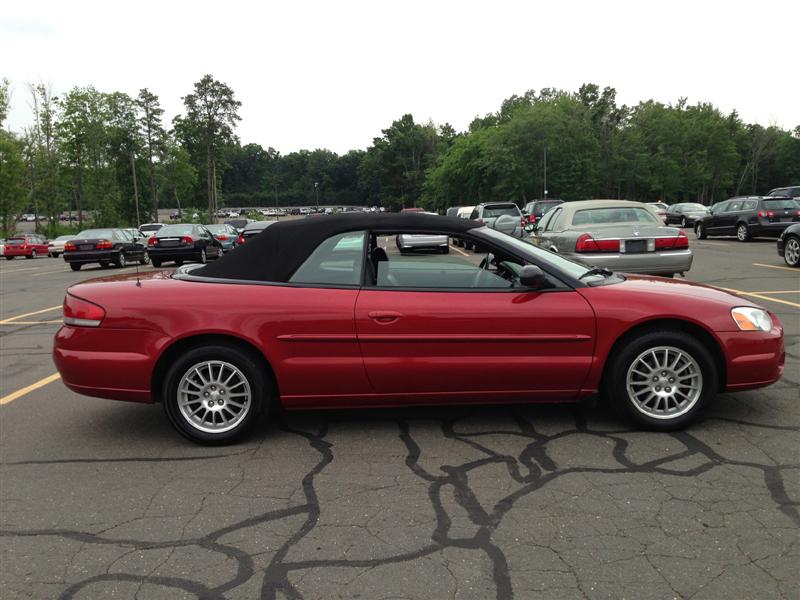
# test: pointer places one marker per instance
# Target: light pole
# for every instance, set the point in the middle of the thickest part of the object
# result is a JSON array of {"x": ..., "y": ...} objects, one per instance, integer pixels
[
  {"x": 316, "y": 192},
  {"x": 545, "y": 172}
]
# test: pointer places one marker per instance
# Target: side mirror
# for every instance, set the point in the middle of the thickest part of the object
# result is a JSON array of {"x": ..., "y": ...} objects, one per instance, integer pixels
[{"x": 533, "y": 277}]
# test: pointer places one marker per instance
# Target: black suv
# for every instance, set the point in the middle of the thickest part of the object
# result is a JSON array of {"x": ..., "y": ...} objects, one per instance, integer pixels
[
  {"x": 792, "y": 191},
  {"x": 748, "y": 217},
  {"x": 535, "y": 210}
]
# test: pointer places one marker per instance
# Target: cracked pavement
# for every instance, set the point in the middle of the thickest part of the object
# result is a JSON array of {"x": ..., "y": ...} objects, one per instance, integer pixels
[{"x": 102, "y": 499}]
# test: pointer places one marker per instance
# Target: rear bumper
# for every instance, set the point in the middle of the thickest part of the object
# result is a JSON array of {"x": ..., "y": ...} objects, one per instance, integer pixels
[
  {"x": 108, "y": 363},
  {"x": 11, "y": 251},
  {"x": 769, "y": 229},
  {"x": 650, "y": 263},
  {"x": 754, "y": 359},
  {"x": 185, "y": 253},
  {"x": 91, "y": 256}
]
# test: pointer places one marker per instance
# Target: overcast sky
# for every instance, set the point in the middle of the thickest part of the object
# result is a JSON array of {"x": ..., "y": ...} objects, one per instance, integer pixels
[{"x": 333, "y": 74}]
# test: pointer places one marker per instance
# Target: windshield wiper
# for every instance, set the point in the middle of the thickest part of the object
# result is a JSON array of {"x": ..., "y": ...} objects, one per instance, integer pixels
[{"x": 597, "y": 271}]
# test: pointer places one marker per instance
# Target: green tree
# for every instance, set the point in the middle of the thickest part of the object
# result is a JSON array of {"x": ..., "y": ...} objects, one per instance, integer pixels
[
  {"x": 12, "y": 178},
  {"x": 211, "y": 116},
  {"x": 152, "y": 131}
]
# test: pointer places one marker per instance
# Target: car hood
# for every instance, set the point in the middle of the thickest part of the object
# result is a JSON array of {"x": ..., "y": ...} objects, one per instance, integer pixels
[
  {"x": 677, "y": 289},
  {"x": 627, "y": 230}
]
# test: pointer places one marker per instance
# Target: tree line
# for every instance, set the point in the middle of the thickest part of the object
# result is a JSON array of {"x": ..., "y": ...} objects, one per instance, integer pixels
[{"x": 113, "y": 154}]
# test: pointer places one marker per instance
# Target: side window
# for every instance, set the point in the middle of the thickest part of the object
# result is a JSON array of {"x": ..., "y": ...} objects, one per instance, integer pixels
[
  {"x": 543, "y": 222},
  {"x": 336, "y": 261},
  {"x": 555, "y": 219},
  {"x": 749, "y": 205},
  {"x": 734, "y": 206},
  {"x": 474, "y": 214},
  {"x": 720, "y": 207}
]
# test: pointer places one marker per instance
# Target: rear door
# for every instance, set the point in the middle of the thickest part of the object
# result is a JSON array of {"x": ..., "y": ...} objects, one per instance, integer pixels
[{"x": 440, "y": 328}]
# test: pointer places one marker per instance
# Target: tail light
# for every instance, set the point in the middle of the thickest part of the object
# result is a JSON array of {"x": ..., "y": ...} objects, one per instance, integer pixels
[
  {"x": 681, "y": 242},
  {"x": 531, "y": 218},
  {"x": 522, "y": 222},
  {"x": 766, "y": 213},
  {"x": 222, "y": 237},
  {"x": 240, "y": 240},
  {"x": 152, "y": 241},
  {"x": 82, "y": 313},
  {"x": 481, "y": 221},
  {"x": 186, "y": 240},
  {"x": 104, "y": 245},
  {"x": 70, "y": 247},
  {"x": 586, "y": 243}
]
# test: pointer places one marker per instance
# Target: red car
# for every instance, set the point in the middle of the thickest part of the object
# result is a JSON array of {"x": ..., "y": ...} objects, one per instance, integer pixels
[
  {"x": 326, "y": 313},
  {"x": 29, "y": 246}
]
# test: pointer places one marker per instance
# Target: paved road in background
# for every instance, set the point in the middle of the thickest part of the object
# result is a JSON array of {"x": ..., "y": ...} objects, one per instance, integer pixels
[{"x": 102, "y": 499}]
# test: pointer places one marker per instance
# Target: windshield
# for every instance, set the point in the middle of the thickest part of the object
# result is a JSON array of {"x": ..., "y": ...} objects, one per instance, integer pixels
[
  {"x": 64, "y": 238},
  {"x": 536, "y": 254},
  {"x": 150, "y": 227},
  {"x": 15, "y": 241},
  {"x": 170, "y": 230},
  {"x": 781, "y": 204},
  {"x": 491, "y": 212},
  {"x": 542, "y": 207},
  {"x": 693, "y": 206},
  {"x": 216, "y": 229},
  {"x": 613, "y": 214},
  {"x": 95, "y": 233}
]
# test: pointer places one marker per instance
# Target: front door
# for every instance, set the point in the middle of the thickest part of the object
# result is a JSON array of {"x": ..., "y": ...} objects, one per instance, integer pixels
[{"x": 442, "y": 327}]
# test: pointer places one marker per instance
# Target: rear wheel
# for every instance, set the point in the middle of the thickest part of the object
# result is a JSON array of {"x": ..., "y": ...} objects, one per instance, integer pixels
[
  {"x": 145, "y": 258},
  {"x": 156, "y": 263},
  {"x": 203, "y": 257},
  {"x": 684, "y": 222},
  {"x": 742, "y": 232},
  {"x": 32, "y": 254},
  {"x": 700, "y": 231},
  {"x": 10, "y": 257},
  {"x": 105, "y": 264},
  {"x": 662, "y": 380},
  {"x": 75, "y": 266},
  {"x": 791, "y": 251},
  {"x": 121, "y": 261},
  {"x": 214, "y": 394},
  {"x": 178, "y": 263}
]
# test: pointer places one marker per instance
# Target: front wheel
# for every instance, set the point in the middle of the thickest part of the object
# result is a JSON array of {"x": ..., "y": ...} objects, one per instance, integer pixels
[
  {"x": 156, "y": 263},
  {"x": 742, "y": 232},
  {"x": 203, "y": 257},
  {"x": 662, "y": 380},
  {"x": 214, "y": 394},
  {"x": 684, "y": 222},
  {"x": 121, "y": 261},
  {"x": 75, "y": 266},
  {"x": 32, "y": 254},
  {"x": 10, "y": 257},
  {"x": 700, "y": 231},
  {"x": 145, "y": 258},
  {"x": 791, "y": 251}
]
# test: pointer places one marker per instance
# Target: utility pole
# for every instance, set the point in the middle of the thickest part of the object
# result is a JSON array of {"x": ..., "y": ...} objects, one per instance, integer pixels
[
  {"x": 136, "y": 191},
  {"x": 545, "y": 172},
  {"x": 316, "y": 192}
]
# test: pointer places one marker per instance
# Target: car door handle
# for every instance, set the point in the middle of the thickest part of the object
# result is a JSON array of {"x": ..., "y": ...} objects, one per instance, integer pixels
[{"x": 384, "y": 316}]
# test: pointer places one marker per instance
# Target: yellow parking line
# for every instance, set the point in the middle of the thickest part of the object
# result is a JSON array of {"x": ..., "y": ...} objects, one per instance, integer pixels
[
  {"x": 13, "y": 320},
  {"x": 782, "y": 292},
  {"x": 27, "y": 390},
  {"x": 778, "y": 267},
  {"x": 761, "y": 297},
  {"x": 459, "y": 251},
  {"x": 18, "y": 270}
]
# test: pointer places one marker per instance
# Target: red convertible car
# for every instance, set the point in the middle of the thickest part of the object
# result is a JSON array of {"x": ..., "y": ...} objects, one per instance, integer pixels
[{"x": 326, "y": 313}]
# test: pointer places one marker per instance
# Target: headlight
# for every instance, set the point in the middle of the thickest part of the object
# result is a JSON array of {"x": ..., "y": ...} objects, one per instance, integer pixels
[{"x": 751, "y": 319}]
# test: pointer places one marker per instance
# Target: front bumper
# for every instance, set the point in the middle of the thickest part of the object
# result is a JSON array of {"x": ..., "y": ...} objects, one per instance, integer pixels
[
  {"x": 754, "y": 359},
  {"x": 649, "y": 263},
  {"x": 91, "y": 256}
]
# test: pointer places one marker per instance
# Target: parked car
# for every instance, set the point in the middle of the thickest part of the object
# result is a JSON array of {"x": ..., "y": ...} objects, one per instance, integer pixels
[
  {"x": 406, "y": 330},
  {"x": 226, "y": 235},
  {"x": 792, "y": 191},
  {"x": 505, "y": 217},
  {"x": 253, "y": 228},
  {"x": 453, "y": 211},
  {"x": 181, "y": 243},
  {"x": 685, "y": 213},
  {"x": 175, "y": 215},
  {"x": 149, "y": 229},
  {"x": 2, "y": 245},
  {"x": 614, "y": 234},
  {"x": 238, "y": 224},
  {"x": 748, "y": 217},
  {"x": 104, "y": 246},
  {"x": 56, "y": 247},
  {"x": 29, "y": 245},
  {"x": 789, "y": 245},
  {"x": 660, "y": 208},
  {"x": 534, "y": 211}
]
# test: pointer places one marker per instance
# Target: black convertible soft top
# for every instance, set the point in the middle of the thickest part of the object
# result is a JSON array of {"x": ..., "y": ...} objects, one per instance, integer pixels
[{"x": 277, "y": 252}]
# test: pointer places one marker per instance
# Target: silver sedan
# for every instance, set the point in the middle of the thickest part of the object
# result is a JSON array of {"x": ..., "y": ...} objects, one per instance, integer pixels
[
  {"x": 422, "y": 243},
  {"x": 614, "y": 234}
]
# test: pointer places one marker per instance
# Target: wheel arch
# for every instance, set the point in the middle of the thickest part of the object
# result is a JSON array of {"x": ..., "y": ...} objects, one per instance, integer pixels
[
  {"x": 179, "y": 346},
  {"x": 700, "y": 333}
]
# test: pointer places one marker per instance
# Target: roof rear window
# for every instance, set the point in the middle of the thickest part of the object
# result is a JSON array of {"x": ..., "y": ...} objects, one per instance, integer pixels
[
  {"x": 499, "y": 210},
  {"x": 780, "y": 204},
  {"x": 170, "y": 230},
  {"x": 610, "y": 215}
]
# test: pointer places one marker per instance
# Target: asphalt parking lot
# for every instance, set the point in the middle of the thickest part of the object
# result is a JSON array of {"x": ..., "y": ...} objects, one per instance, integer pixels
[{"x": 101, "y": 499}]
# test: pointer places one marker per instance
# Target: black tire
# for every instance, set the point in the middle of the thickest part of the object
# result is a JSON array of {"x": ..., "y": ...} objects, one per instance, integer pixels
[
  {"x": 121, "y": 261},
  {"x": 105, "y": 265},
  {"x": 54, "y": 254},
  {"x": 145, "y": 260},
  {"x": 178, "y": 263},
  {"x": 10, "y": 257},
  {"x": 247, "y": 365},
  {"x": 75, "y": 266},
  {"x": 615, "y": 379},
  {"x": 791, "y": 251},
  {"x": 32, "y": 254},
  {"x": 684, "y": 223},
  {"x": 742, "y": 232},
  {"x": 700, "y": 231},
  {"x": 156, "y": 263},
  {"x": 203, "y": 259}
]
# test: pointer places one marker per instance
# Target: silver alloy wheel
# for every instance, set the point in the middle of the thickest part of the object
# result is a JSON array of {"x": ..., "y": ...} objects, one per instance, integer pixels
[
  {"x": 122, "y": 261},
  {"x": 741, "y": 232},
  {"x": 684, "y": 222},
  {"x": 203, "y": 256},
  {"x": 33, "y": 253},
  {"x": 698, "y": 230},
  {"x": 792, "y": 252},
  {"x": 664, "y": 382},
  {"x": 214, "y": 396},
  {"x": 146, "y": 258}
]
